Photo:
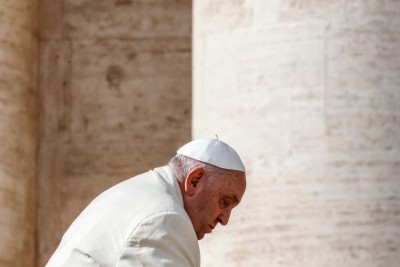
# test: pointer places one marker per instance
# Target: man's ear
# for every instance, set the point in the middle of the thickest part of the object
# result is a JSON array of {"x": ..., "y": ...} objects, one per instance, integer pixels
[{"x": 192, "y": 180}]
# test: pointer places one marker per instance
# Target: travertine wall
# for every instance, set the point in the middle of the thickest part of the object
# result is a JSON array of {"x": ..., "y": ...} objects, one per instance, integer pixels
[
  {"x": 308, "y": 93},
  {"x": 115, "y": 80},
  {"x": 18, "y": 131}
]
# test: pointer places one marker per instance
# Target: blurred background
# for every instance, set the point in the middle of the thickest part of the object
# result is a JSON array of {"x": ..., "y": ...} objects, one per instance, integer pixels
[{"x": 307, "y": 91}]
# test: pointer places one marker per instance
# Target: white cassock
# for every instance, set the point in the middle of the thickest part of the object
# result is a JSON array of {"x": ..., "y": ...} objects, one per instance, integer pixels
[{"x": 139, "y": 222}]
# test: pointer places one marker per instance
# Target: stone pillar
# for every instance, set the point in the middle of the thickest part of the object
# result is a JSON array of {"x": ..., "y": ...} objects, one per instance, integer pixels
[
  {"x": 308, "y": 93},
  {"x": 115, "y": 79},
  {"x": 18, "y": 132}
]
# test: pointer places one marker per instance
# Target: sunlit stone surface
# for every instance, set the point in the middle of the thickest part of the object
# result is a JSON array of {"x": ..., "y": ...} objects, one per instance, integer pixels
[{"x": 308, "y": 93}]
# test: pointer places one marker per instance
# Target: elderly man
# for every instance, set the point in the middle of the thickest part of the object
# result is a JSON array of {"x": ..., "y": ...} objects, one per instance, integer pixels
[{"x": 156, "y": 218}]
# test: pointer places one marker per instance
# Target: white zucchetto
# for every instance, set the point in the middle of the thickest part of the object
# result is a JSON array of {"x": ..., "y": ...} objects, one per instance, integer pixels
[{"x": 214, "y": 152}]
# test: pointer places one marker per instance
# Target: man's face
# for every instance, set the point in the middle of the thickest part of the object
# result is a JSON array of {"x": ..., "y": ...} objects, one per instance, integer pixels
[{"x": 210, "y": 199}]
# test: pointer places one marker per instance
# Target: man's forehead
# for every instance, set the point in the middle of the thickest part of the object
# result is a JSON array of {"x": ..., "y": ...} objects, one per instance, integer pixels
[{"x": 234, "y": 186}]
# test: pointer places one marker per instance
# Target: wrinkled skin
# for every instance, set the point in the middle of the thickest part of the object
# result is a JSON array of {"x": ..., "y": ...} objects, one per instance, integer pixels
[{"x": 210, "y": 198}]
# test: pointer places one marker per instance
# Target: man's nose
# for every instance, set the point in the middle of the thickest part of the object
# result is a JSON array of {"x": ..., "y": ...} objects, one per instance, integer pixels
[{"x": 224, "y": 217}]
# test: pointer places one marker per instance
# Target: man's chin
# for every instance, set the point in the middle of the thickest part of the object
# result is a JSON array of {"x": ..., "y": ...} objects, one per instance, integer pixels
[{"x": 200, "y": 235}]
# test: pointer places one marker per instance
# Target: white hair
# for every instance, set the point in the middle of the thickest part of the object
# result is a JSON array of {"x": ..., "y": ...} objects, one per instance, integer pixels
[{"x": 183, "y": 165}]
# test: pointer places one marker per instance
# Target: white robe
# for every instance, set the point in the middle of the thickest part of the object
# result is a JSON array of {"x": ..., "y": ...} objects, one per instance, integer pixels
[{"x": 139, "y": 222}]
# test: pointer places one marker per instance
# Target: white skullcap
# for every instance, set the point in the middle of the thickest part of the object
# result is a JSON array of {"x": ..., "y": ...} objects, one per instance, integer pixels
[{"x": 214, "y": 152}]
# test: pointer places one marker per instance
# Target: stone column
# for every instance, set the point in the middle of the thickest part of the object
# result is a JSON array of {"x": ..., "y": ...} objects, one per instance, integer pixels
[
  {"x": 308, "y": 93},
  {"x": 115, "y": 79},
  {"x": 18, "y": 132}
]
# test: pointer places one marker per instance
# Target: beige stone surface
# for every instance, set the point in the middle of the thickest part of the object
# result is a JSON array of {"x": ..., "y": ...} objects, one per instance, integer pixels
[
  {"x": 308, "y": 93},
  {"x": 18, "y": 132},
  {"x": 115, "y": 79}
]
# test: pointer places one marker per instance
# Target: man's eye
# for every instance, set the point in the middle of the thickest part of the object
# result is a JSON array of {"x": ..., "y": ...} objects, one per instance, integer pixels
[{"x": 225, "y": 203}]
